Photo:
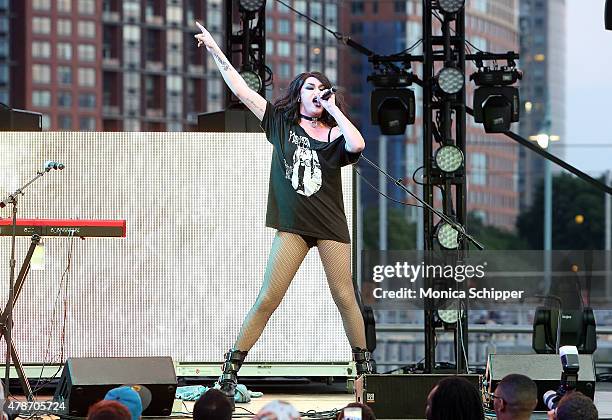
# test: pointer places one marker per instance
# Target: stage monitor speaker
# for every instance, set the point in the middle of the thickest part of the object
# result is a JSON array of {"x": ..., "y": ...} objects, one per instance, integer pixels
[
  {"x": 19, "y": 119},
  {"x": 233, "y": 120},
  {"x": 544, "y": 369},
  {"x": 608, "y": 15},
  {"x": 399, "y": 396},
  {"x": 86, "y": 381}
]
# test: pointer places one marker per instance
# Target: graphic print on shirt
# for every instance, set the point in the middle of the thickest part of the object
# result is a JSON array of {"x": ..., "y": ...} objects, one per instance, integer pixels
[{"x": 305, "y": 170}]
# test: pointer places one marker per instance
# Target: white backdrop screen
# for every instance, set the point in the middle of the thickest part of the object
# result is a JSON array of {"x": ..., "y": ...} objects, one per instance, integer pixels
[{"x": 190, "y": 267}]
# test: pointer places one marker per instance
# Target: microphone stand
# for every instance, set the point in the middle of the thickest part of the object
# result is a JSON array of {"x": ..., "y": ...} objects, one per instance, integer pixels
[
  {"x": 7, "y": 315},
  {"x": 460, "y": 229}
]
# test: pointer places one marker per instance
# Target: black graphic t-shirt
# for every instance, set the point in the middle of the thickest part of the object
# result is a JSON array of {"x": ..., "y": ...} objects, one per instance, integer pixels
[{"x": 305, "y": 192}]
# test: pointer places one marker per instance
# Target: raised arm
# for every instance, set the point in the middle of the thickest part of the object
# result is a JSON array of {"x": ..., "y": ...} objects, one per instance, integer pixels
[{"x": 234, "y": 81}]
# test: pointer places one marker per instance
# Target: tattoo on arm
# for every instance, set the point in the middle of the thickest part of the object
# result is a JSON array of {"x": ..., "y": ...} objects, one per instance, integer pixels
[
  {"x": 257, "y": 107},
  {"x": 224, "y": 65}
]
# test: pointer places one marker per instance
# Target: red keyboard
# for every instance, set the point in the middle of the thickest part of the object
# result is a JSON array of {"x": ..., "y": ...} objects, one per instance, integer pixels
[{"x": 64, "y": 227}]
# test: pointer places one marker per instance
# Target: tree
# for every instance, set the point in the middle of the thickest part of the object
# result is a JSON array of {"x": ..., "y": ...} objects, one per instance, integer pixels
[
  {"x": 577, "y": 220},
  {"x": 401, "y": 234}
]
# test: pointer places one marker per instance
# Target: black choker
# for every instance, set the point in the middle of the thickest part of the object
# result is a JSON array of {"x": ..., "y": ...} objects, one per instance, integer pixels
[{"x": 313, "y": 120}]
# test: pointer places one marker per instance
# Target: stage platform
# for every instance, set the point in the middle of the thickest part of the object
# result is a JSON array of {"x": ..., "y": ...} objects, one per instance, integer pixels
[{"x": 325, "y": 398}]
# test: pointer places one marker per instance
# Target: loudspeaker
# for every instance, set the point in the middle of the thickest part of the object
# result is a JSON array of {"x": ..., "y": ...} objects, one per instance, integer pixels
[
  {"x": 233, "y": 120},
  {"x": 608, "y": 15},
  {"x": 19, "y": 119},
  {"x": 399, "y": 396},
  {"x": 544, "y": 369},
  {"x": 86, "y": 381}
]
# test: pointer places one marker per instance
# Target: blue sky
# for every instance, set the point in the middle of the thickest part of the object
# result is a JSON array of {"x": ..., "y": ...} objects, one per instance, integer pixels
[{"x": 588, "y": 86}]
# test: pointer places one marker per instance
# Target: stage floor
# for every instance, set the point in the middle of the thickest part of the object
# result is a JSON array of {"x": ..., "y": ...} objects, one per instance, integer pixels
[{"x": 320, "y": 397}]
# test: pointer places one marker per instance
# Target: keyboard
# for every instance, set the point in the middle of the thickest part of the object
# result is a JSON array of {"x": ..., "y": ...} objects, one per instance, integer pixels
[{"x": 64, "y": 227}]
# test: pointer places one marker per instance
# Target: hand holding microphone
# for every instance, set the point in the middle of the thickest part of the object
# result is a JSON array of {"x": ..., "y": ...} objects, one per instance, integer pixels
[{"x": 329, "y": 92}]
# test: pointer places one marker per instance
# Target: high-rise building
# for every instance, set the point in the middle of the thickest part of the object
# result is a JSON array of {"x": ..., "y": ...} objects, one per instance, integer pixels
[
  {"x": 56, "y": 56},
  {"x": 4, "y": 52},
  {"x": 491, "y": 161},
  {"x": 295, "y": 45},
  {"x": 129, "y": 65},
  {"x": 542, "y": 49}
]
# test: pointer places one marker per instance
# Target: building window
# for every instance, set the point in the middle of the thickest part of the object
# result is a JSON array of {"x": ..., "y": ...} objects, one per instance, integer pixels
[
  {"x": 41, "y": 49},
  {"x": 64, "y": 122},
  {"x": 64, "y": 6},
  {"x": 64, "y": 99},
  {"x": 478, "y": 169},
  {"x": 87, "y": 100},
  {"x": 41, "y": 98},
  {"x": 131, "y": 33},
  {"x": 64, "y": 27},
  {"x": 87, "y": 77},
  {"x": 357, "y": 7},
  {"x": 174, "y": 14},
  {"x": 399, "y": 6},
  {"x": 284, "y": 26},
  {"x": 174, "y": 83},
  {"x": 64, "y": 51},
  {"x": 41, "y": 25},
  {"x": 41, "y": 4},
  {"x": 87, "y": 7},
  {"x": 315, "y": 33},
  {"x": 87, "y": 52},
  {"x": 41, "y": 73},
  {"x": 87, "y": 29},
  {"x": 284, "y": 70},
  {"x": 64, "y": 75},
  {"x": 87, "y": 124},
  {"x": 283, "y": 49},
  {"x": 315, "y": 10}
]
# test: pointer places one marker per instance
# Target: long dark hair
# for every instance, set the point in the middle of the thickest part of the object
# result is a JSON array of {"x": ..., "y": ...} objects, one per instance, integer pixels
[
  {"x": 456, "y": 398},
  {"x": 289, "y": 103}
]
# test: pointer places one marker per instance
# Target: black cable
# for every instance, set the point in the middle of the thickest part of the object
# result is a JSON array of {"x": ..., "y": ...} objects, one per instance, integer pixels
[
  {"x": 383, "y": 194},
  {"x": 414, "y": 173},
  {"x": 40, "y": 385}
]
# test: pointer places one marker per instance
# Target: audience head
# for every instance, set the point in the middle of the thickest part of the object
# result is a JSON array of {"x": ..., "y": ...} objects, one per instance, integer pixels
[
  {"x": 212, "y": 405},
  {"x": 454, "y": 398},
  {"x": 108, "y": 410},
  {"x": 366, "y": 412},
  {"x": 128, "y": 397},
  {"x": 515, "y": 397},
  {"x": 575, "y": 406},
  {"x": 277, "y": 410}
]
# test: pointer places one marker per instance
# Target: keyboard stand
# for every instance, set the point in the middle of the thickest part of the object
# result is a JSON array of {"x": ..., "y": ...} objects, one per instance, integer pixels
[{"x": 23, "y": 273}]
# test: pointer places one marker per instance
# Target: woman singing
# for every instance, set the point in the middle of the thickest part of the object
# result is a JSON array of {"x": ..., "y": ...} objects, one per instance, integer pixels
[{"x": 312, "y": 140}]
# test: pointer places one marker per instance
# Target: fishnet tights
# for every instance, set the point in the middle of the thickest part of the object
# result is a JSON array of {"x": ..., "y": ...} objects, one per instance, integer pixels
[{"x": 287, "y": 253}]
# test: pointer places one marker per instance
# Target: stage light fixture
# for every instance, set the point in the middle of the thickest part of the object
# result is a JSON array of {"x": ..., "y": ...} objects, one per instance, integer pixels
[
  {"x": 251, "y": 6},
  {"x": 252, "y": 79},
  {"x": 496, "y": 103},
  {"x": 392, "y": 104},
  {"x": 448, "y": 237},
  {"x": 449, "y": 158},
  {"x": 451, "y": 6},
  {"x": 450, "y": 80}
]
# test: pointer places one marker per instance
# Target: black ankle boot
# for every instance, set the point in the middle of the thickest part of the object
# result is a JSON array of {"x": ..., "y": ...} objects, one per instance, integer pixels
[
  {"x": 363, "y": 361},
  {"x": 229, "y": 379}
]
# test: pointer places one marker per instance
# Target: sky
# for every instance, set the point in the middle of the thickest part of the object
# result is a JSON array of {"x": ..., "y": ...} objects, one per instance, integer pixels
[{"x": 588, "y": 86}]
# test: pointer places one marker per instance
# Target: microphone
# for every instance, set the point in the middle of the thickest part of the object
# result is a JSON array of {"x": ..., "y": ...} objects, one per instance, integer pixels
[
  {"x": 329, "y": 93},
  {"x": 53, "y": 165}
]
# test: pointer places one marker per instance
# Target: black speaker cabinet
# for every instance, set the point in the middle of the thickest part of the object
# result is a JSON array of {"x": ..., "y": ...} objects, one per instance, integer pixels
[
  {"x": 234, "y": 120},
  {"x": 544, "y": 369},
  {"x": 608, "y": 15},
  {"x": 86, "y": 381},
  {"x": 399, "y": 396}
]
